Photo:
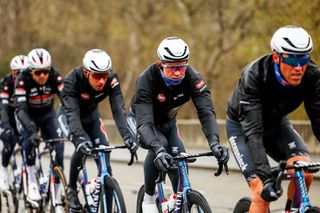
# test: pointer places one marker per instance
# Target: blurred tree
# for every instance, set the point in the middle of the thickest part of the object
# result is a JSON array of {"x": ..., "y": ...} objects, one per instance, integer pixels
[{"x": 223, "y": 36}]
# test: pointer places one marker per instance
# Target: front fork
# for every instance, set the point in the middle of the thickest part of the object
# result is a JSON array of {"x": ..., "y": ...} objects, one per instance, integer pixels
[{"x": 183, "y": 189}]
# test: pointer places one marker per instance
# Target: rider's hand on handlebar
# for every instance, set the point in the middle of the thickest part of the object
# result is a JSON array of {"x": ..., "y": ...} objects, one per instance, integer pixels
[
  {"x": 8, "y": 136},
  {"x": 163, "y": 161},
  {"x": 131, "y": 145},
  {"x": 220, "y": 152},
  {"x": 34, "y": 140},
  {"x": 270, "y": 192},
  {"x": 84, "y": 145}
]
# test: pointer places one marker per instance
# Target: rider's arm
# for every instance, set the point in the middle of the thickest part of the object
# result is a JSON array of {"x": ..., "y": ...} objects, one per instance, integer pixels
[
  {"x": 250, "y": 117},
  {"x": 144, "y": 115},
  {"x": 4, "y": 98},
  {"x": 70, "y": 102},
  {"x": 21, "y": 102},
  {"x": 118, "y": 106},
  {"x": 312, "y": 103},
  {"x": 201, "y": 98},
  {"x": 57, "y": 81}
]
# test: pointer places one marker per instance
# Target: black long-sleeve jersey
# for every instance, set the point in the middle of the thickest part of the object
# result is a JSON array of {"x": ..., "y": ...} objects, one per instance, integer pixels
[
  {"x": 154, "y": 103},
  {"x": 33, "y": 100},
  {"x": 7, "y": 101},
  {"x": 80, "y": 101},
  {"x": 259, "y": 101}
]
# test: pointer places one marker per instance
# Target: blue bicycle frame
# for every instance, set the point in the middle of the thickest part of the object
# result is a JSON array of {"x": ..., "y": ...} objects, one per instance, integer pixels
[
  {"x": 184, "y": 183},
  {"x": 301, "y": 200},
  {"x": 183, "y": 187},
  {"x": 103, "y": 173}
]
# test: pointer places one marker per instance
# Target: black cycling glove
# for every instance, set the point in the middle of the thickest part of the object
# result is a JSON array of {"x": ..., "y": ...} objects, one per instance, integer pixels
[
  {"x": 131, "y": 145},
  {"x": 34, "y": 140},
  {"x": 84, "y": 145},
  {"x": 270, "y": 191},
  {"x": 163, "y": 161}
]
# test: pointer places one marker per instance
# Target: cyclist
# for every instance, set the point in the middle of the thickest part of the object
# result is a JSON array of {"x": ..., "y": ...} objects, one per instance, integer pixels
[
  {"x": 8, "y": 126},
  {"x": 79, "y": 116},
  {"x": 269, "y": 89},
  {"x": 34, "y": 92},
  {"x": 160, "y": 91}
]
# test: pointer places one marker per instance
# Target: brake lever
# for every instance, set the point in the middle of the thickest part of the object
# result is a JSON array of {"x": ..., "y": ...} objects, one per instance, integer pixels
[
  {"x": 220, "y": 169},
  {"x": 133, "y": 156}
]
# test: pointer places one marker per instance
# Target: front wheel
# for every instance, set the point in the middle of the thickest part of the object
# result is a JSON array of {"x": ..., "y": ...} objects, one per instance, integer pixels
[
  {"x": 243, "y": 205},
  {"x": 313, "y": 210},
  {"x": 140, "y": 200},
  {"x": 196, "y": 203},
  {"x": 61, "y": 203},
  {"x": 111, "y": 197}
]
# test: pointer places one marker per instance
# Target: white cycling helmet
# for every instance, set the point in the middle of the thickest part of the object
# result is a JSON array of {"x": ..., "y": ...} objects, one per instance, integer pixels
[
  {"x": 173, "y": 49},
  {"x": 39, "y": 58},
  {"x": 19, "y": 62},
  {"x": 97, "y": 60},
  {"x": 291, "y": 40}
]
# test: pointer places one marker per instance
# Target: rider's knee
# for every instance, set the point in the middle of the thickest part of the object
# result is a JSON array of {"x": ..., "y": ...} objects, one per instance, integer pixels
[
  {"x": 257, "y": 204},
  {"x": 290, "y": 161}
]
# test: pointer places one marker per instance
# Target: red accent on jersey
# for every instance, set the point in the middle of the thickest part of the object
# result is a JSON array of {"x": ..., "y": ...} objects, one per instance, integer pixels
[{"x": 161, "y": 97}]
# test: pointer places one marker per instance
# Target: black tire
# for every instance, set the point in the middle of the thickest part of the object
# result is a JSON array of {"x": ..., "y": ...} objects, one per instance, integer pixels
[
  {"x": 10, "y": 202},
  {"x": 116, "y": 204},
  {"x": 140, "y": 199},
  {"x": 313, "y": 210},
  {"x": 64, "y": 201},
  {"x": 14, "y": 191},
  {"x": 242, "y": 206},
  {"x": 195, "y": 201}
]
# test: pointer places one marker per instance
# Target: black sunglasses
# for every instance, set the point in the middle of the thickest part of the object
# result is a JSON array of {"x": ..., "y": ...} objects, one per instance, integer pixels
[{"x": 41, "y": 71}]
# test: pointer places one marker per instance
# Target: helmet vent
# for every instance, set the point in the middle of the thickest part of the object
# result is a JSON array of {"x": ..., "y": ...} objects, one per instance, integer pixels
[{"x": 292, "y": 45}]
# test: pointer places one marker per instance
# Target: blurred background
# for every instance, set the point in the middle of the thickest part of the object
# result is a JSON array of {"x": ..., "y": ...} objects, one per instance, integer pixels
[{"x": 222, "y": 35}]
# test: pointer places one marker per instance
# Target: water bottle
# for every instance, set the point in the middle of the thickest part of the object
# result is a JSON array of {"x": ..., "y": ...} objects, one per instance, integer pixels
[
  {"x": 93, "y": 186},
  {"x": 43, "y": 182},
  {"x": 17, "y": 178},
  {"x": 171, "y": 202},
  {"x": 164, "y": 206},
  {"x": 88, "y": 193}
]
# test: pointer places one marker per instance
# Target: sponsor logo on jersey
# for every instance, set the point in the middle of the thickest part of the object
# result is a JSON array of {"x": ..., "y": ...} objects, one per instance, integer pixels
[
  {"x": 161, "y": 97},
  {"x": 20, "y": 91},
  {"x": 6, "y": 88},
  {"x": 60, "y": 87},
  {"x": 178, "y": 96},
  {"x": 200, "y": 84},
  {"x": 292, "y": 145},
  {"x": 22, "y": 99},
  {"x": 40, "y": 100},
  {"x": 237, "y": 154},
  {"x": 103, "y": 129},
  {"x": 85, "y": 96},
  {"x": 114, "y": 83},
  {"x": 97, "y": 96},
  {"x": 21, "y": 83},
  {"x": 4, "y": 95},
  {"x": 59, "y": 78}
]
